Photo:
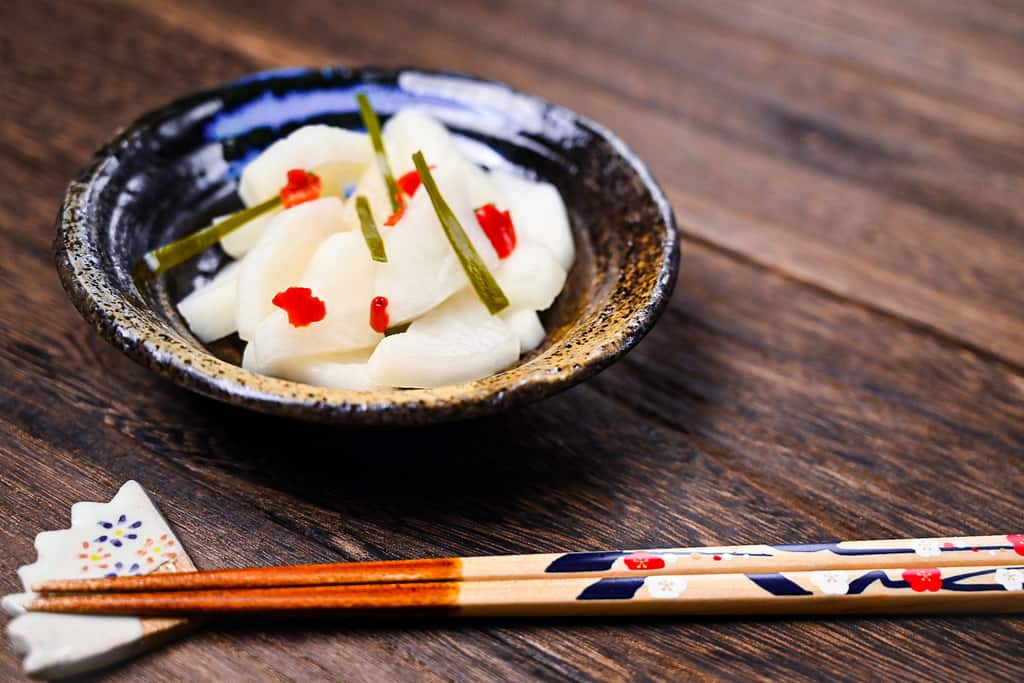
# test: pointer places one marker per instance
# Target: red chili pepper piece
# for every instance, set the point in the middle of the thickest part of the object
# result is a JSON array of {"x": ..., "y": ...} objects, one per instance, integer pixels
[
  {"x": 397, "y": 215},
  {"x": 302, "y": 307},
  {"x": 302, "y": 186},
  {"x": 379, "y": 317},
  {"x": 497, "y": 225},
  {"x": 407, "y": 185},
  {"x": 411, "y": 181}
]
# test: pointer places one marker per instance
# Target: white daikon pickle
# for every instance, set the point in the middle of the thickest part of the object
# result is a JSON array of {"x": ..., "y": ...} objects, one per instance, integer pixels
[
  {"x": 280, "y": 258},
  {"x": 530, "y": 276},
  {"x": 526, "y": 325},
  {"x": 404, "y": 134},
  {"x": 341, "y": 275},
  {"x": 449, "y": 335},
  {"x": 237, "y": 243},
  {"x": 410, "y": 131},
  {"x": 337, "y": 155},
  {"x": 456, "y": 342},
  {"x": 538, "y": 214},
  {"x": 210, "y": 309},
  {"x": 371, "y": 185},
  {"x": 422, "y": 268},
  {"x": 347, "y": 370}
]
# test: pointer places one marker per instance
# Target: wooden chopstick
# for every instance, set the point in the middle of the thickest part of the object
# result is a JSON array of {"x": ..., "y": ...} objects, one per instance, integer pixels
[
  {"x": 900, "y": 553},
  {"x": 865, "y": 591}
]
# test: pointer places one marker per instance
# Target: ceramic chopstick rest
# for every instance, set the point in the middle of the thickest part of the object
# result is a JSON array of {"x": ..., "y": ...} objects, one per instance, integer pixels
[{"x": 126, "y": 536}]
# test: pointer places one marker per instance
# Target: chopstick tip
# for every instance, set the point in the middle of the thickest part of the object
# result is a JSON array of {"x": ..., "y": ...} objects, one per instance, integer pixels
[{"x": 54, "y": 586}]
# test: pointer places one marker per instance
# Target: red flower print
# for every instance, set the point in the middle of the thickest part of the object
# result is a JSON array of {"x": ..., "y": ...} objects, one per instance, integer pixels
[
  {"x": 641, "y": 561},
  {"x": 93, "y": 556},
  {"x": 157, "y": 550},
  {"x": 302, "y": 307},
  {"x": 1018, "y": 542},
  {"x": 922, "y": 580}
]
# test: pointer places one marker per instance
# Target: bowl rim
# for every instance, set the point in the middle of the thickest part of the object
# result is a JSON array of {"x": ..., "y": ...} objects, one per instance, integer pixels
[{"x": 102, "y": 303}]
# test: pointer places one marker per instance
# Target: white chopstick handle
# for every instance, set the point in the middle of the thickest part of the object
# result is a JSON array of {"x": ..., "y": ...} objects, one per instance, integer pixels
[{"x": 871, "y": 591}]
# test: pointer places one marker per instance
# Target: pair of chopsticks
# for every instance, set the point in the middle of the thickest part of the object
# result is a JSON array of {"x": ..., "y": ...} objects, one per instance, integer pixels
[{"x": 964, "y": 574}]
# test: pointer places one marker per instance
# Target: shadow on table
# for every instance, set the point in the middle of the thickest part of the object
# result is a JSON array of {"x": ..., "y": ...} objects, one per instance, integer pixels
[
  {"x": 531, "y": 460},
  {"x": 558, "y": 473},
  {"x": 581, "y": 451}
]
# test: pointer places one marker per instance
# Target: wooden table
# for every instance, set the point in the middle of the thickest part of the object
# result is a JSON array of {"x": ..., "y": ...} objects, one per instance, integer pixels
[{"x": 843, "y": 356}]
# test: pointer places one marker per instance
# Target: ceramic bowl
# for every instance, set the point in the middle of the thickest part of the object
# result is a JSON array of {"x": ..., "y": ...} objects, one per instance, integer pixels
[{"x": 172, "y": 170}]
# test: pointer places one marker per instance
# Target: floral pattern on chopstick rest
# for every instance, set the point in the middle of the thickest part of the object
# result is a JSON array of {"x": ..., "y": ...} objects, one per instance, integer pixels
[{"x": 127, "y": 536}]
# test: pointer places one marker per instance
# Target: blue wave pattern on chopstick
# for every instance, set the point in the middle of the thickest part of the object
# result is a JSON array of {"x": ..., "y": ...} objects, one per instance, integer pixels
[
  {"x": 603, "y": 561},
  {"x": 835, "y": 548},
  {"x": 777, "y": 584},
  {"x": 655, "y": 564},
  {"x": 622, "y": 588},
  {"x": 833, "y": 583},
  {"x": 585, "y": 562},
  {"x": 919, "y": 580}
]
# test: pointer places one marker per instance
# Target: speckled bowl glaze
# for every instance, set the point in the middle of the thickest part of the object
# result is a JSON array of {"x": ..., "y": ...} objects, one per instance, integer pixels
[{"x": 172, "y": 170}]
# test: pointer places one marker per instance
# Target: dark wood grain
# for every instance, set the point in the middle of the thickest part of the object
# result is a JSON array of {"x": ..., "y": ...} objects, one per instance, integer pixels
[{"x": 844, "y": 355}]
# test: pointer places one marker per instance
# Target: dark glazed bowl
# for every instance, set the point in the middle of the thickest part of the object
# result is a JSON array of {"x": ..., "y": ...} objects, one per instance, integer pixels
[{"x": 175, "y": 168}]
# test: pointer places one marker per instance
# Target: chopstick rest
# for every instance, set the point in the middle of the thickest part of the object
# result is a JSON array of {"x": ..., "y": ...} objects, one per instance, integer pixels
[{"x": 124, "y": 537}]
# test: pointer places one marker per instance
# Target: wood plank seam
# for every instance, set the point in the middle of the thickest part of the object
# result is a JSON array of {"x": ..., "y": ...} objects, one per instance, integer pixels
[{"x": 914, "y": 325}]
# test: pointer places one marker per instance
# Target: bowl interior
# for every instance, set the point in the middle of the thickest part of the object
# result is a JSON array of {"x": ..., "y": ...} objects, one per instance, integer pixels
[{"x": 175, "y": 169}]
